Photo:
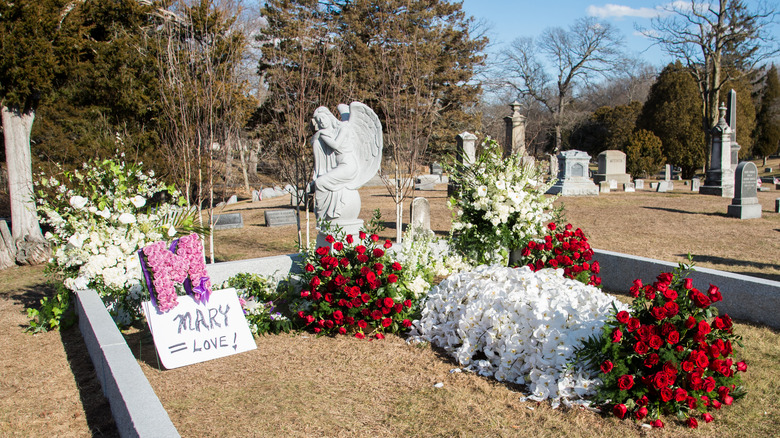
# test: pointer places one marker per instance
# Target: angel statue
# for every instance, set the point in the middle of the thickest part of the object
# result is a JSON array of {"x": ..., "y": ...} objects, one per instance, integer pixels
[{"x": 347, "y": 153}]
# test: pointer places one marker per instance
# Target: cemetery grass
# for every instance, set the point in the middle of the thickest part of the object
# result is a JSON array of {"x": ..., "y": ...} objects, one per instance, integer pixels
[{"x": 301, "y": 385}]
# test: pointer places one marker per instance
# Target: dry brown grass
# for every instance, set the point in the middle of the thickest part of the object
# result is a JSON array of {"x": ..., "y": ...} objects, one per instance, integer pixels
[{"x": 300, "y": 385}]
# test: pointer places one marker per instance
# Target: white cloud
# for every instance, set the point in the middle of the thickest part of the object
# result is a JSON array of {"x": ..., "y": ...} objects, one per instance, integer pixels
[{"x": 620, "y": 11}]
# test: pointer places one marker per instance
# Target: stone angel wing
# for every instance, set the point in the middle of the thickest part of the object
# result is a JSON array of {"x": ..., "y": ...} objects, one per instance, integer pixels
[{"x": 367, "y": 129}]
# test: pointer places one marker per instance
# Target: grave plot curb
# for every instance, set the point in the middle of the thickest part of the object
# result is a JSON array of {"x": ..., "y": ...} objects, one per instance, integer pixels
[
  {"x": 744, "y": 297},
  {"x": 139, "y": 413}
]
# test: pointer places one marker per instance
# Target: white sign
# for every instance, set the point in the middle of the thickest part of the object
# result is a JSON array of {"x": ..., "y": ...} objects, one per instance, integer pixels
[{"x": 196, "y": 332}]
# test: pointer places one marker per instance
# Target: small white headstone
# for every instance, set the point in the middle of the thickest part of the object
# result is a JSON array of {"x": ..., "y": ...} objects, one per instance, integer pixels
[
  {"x": 604, "y": 187},
  {"x": 663, "y": 186},
  {"x": 628, "y": 187},
  {"x": 232, "y": 200},
  {"x": 255, "y": 196},
  {"x": 420, "y": 216},
  {"x": 613, "y": 184},
  {"x": 639, "y": 184}
]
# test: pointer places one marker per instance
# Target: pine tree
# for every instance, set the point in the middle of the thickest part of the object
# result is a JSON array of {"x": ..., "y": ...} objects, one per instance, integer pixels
[
  {"x": 673, "y": 113},
  {"x": 768, "y": 118}
]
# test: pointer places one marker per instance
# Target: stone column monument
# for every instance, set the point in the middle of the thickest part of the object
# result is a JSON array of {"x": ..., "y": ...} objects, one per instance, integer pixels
[
  {"x": 720, "y": 178},
  {"x": 515, "y": 131},
  {"x": 466, "y": 154},
  {"x": 731, "y": 119}
]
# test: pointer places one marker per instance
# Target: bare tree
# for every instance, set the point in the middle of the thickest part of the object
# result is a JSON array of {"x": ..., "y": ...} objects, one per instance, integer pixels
[
  {"x": 587, "y": 49},
  {"x": 719, "y": 42}
]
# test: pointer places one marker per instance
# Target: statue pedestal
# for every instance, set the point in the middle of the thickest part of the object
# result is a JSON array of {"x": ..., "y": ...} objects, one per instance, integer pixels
[{"x": 348, "y": 227}]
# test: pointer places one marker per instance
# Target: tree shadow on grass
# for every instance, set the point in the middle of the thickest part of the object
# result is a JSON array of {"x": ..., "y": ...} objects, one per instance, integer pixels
[
  {"x": 675, "y": 210},
  {"x": 96, "y": 407},
  {"x": 736, "y": 263}
]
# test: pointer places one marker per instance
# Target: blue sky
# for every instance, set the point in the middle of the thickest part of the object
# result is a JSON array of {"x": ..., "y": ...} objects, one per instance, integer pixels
[{"x": 510, "y": 19}]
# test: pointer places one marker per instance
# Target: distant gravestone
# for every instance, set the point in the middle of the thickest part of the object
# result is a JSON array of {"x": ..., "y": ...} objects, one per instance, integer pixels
[
  {"x": 232, "y": 200},
  {"x": 267, "y": 193},
  {"x": 613, "y": 184},
  {"x": 278, "y": 218},
  {"x": 639, "y": 184},
  {"x": 436, "y": 169},
  {"x": 425, "y": 186},
  {"x": 663, "y": 186},
  {"x": 420, "y": 216},
  {"x": 695, "y": 184},
  {"x": 228, "y": 221},
  {"x": 668, "y": 172},
  {"x": 653, "y": 185},
  {"x": 745, "y": 203},
  {"x": 605, "y": 187},
  {"x": 612, "y": 166},
  {"x": 768, "y": 169},
  {"x": 573, "y": 175},
  {"x": 467, "y": 148},
  {"x": 629, "y": 187},
  {"x": 777, "y": 205},
  {"x": 255, "y": 196}
]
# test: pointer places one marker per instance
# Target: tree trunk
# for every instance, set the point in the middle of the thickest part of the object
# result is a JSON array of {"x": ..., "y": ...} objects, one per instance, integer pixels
[
  {"x": 242, "y": 157},
  {"x": 31, "y": 247}
]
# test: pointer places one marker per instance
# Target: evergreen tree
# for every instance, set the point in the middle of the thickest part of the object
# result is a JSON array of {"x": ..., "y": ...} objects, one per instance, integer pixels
[
  {"x": 608, "y": 128},
  {"x": 673, "y": 113},
  {"x": 768, "y": 119},
  {"x": 643, "y": 153}
]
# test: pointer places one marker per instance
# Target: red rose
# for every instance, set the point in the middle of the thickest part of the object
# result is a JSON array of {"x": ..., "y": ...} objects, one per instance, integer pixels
[
  {"x": 707, "y": 417},
  {"x": 657, "y": 423},
  {"x": 625, "y": 382},
  {"x": 360, "y": 249},
  {"x": 329, "y": 239},
  {"x": 362, "y": 324},
  {"x": 692, "y": 423},
  {"x": 671, "y": 309},
  {"x": 641, "y": 348},
  {"x": 379, "y": 336},
  {"x": 606, "y": 367},
  {"x": 716, "y": 404},
  {"x": 399, "y": 308},
  {"x": 360, "y": 335},
  {"x": 328, "y": 297},
  {"x": 406, "y": 323},
  {"x": 309, "y": 267},
  {"x": 666, "y": 394},
  {"x": 338, "y": 246},
  {"x": 728, "y": 400},
  {"x": 304, "y": 294},
  {"x": 317, "y": 296},
  {"x": 688, "y": 283},
  {"x": 315, "y": 281},
  {"x": 670, "y": 368},
  {"x": 703, "y": 327},
  {"x": 714, "y": 293},
  {"x": 617, "y": 335},
  {"x": 660, "y": 380},
  {"x": 690, "y": 322},
  {"x": 342, "y": 331},
  {"x": 388, "y": 302},
  {"x": 408, "y": 304},
  {"x": 641, "y": 413},
  {"x": 350, "y": 239},
  {"x": 388, "y": 244},
  {"x": 309, "y": 319},
  {"x": 376, "y": 314},
  {"x": 680, "y": 394},
  {"x": 329, "y": 324},
  {"x": 651, "y": 360},
  {"x": 392, "y": 278},
  {"x": 374, "y": 238},
  {"x": 378, "y": 252},
  {"x": 741, "y": 366},
  {"x": 396, "y": 266},
  {"x": 338, "y": 315},
  {"x": 700, "y": 300},
  {"x": 327, "y": 273},
  {"x": 387, "y": 322},
  {"x": 317, "y": 329},
  {"x": 673, "y": 338},
  {"x": 658, "y": 313},
  {"x": 633, "y": 324},
  {"x": 595, "y": 268},
  {"x": 623, "y": 317},
  {"x": 553, "y": 263},
  {"x": 362, "y": 235},
  {"x": 620, "y": 410},
  {"x": 366, "y": 298},
  {"x": 656, "y": 342}
]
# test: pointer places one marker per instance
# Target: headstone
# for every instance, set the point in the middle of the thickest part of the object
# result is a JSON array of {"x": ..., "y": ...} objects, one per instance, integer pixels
[
  {"x": 604, "y": 187},
  {"x": 663, "y": 186},
  {"x": 639, "y": 184},
  {"x": 255, "y": 196},
  {"x": 232, "y": 200},
  {"x": 777, "y": 205},
  {"x": 613, "y": 184},
  {"x": 425, "y": 186},
  {"x": 467, "y": 148},
  {"x": 228, "y": 221},
  {"x": 573, "y": 175},
  {"x": 420, "y": 221},
  {"x": 768, "y": 169},
  {"x": 720, "y": 176},
  {"x": 427, "y": 179},
  {"x": 267, "y": 193},
  {"x": 629, "y": 187},
  {"x": 436, "y": 169},
  {"x": 695, "y": 184},
  {"x": 515, "y": 131},
  {"x": 612, "y": 166},
  {"x": 653, "y": 185},
  {"x": 553, "y": 165},
  {"x": 745, "y": 204},
  {"x": 668, "y": 172},
  {"x": 278, "y": 218}
]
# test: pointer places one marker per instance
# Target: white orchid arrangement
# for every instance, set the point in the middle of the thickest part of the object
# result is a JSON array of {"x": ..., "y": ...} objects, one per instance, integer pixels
[
  {"x": 97, "y": 219},
  {"x": 500, "y": 205},
  {"x": 518, "y": 326},
  {"x": 425, "y": 258}
]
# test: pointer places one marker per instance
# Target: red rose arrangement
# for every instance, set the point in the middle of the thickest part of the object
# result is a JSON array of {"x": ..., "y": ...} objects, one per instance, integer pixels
[
  {"x": 353, "y": 288},
  {"x": 565, "y": 249},
  {"x": 668, "y": 354}
]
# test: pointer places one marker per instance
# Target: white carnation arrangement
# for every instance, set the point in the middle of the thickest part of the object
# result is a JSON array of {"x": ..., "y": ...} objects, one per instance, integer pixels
[
  {"x": 517, "y": 326},
  {"x": 426, "y": 257}
]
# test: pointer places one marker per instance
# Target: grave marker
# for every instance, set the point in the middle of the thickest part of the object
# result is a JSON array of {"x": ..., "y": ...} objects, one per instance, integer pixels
[
  {"x": 573, "y": 175},
  {"x": 278, "y": 218},
  {"x": 639, "y": 184},
  {"x": 629, "y": 187},
  {"x": 745, "y": 204},
  {"x": 232, "y": 200},
  {"x": 228, "y": 221},
  {"x": 420, "y": 221}
]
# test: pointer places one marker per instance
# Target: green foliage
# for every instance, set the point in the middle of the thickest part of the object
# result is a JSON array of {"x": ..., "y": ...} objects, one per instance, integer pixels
[
  {"x": 55, "y": 312},
  {"x": 768, "y": 119},
  {"x": 265, "y": 302},
  {"x": 608, "y": 128},
  {"x": 673, "y": 113},
  {"x": 644, "y": 153}
]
